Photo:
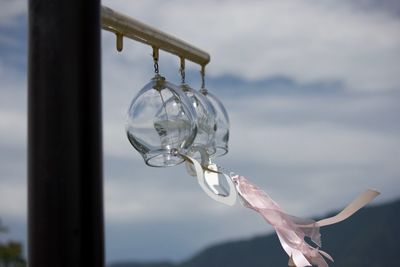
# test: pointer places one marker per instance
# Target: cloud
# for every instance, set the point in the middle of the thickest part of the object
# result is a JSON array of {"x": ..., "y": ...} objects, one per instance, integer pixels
[
  {"x": 10, "y": 12},
  {"x": 306, "y": 40},
  {"x": 13, "y": 190}
]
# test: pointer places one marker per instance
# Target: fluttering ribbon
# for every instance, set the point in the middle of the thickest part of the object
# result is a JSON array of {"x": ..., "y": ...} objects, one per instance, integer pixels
[{"x": 291, "y": 230}]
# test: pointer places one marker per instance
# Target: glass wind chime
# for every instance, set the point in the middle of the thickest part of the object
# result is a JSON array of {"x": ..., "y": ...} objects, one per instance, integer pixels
[{"x": 170, "y": 124}]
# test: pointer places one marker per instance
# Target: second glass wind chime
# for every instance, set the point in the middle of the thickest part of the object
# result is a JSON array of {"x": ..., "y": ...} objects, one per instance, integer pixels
[{"x": 171, "y": 124}]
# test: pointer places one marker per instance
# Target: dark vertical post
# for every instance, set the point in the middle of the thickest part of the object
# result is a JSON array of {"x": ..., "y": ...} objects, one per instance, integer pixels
[{"x": 65, "y": 202}]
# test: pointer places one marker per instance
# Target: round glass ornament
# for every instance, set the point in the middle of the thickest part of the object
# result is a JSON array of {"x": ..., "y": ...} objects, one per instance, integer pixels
[
  {"x": 206, "y": 123},
  {"x": 221, "y": 138},
  {"x": 161, "y": 123}
]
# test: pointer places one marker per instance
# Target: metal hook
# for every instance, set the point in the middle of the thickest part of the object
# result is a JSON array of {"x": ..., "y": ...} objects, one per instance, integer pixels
[{"x": 120, "y": 42}]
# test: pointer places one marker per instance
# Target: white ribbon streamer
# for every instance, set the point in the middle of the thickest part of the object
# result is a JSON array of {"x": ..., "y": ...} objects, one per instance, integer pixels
[
  {"x": 229, "y": 200},
  {"x": 352, "y": 208}
]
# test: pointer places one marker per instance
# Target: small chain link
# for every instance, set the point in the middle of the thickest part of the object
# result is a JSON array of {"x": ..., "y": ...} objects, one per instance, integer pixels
[
  {"x": 155, "y": 59},
  {"x": 156, "y": 70},
  {"x": 203, "y": 74},
  {"x": 182, "y": 70}
]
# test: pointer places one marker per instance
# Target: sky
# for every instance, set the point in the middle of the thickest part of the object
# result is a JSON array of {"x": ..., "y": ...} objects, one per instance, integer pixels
[{"x": 312, "y": 89}]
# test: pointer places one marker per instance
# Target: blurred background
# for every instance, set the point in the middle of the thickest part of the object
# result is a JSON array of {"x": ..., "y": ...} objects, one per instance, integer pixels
[{"x": 313, "y": 93}]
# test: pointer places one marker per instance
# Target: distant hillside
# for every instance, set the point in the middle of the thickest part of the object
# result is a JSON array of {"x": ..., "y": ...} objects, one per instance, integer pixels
[{"x": 369, "y": 238}]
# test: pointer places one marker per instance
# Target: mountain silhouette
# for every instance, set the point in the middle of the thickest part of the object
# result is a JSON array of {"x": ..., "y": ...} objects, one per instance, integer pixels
[{"x": 368, "y": 238}]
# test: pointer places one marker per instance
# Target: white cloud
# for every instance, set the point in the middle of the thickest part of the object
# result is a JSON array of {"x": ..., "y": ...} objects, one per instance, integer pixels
[
  {"x": 13, "y": 199},
  {"x": 11, "y": 10},
  {"x": 12, "y": 128},
  {"x": 311, "y": 130},
  {"x": 313, "y": 145},
  {"x": 307, "y": 40}
]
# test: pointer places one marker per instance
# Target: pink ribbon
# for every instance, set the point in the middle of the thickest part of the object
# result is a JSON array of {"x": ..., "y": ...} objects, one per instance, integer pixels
[{"x": 291, "y": 230}]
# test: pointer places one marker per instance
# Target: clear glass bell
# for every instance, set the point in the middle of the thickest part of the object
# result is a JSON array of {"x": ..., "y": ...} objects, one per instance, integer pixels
[
  {"x": 221, "y": 138},
  {"x": 161, "y": 123},
  {"x": 206, "y": 123}
]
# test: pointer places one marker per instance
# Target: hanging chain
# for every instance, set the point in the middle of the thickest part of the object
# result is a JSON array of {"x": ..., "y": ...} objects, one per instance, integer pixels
[
  {"x": 203, "y": 74},
  {"x": 182, "y": 70},
  {"x": 155, "y": 59}
]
